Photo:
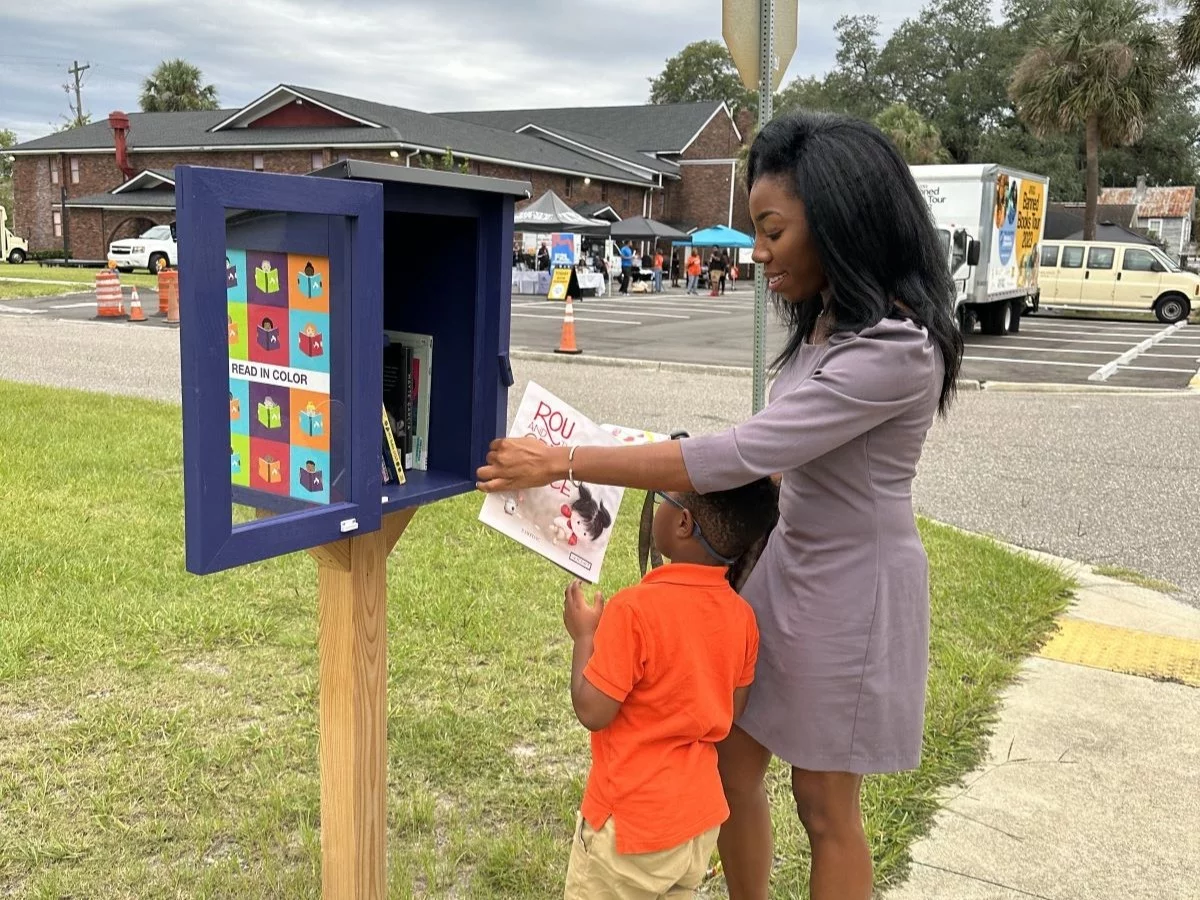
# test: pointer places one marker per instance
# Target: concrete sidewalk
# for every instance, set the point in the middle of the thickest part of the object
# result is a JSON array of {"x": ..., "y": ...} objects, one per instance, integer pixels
[{"x": 1091, "y": 789}]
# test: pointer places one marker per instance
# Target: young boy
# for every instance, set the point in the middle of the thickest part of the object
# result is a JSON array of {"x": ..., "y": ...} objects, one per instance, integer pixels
[{"x": 658, "y": 675}]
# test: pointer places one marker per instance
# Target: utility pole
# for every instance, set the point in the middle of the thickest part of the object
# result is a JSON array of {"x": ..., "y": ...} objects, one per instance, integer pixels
[{"x": 77, "y": 71}]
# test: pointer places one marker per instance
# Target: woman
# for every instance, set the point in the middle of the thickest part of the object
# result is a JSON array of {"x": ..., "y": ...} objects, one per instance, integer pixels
[{"x": 841, "y": 591}]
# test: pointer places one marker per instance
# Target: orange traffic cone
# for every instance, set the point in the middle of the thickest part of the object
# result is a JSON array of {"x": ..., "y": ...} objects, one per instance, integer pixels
[
  {"x": 566, "y": 343},
  {"x": 135, "y": 307}
]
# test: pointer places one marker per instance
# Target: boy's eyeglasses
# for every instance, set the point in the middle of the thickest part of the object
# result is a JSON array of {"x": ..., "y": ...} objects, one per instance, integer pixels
[{"x": 661, "y": 495}]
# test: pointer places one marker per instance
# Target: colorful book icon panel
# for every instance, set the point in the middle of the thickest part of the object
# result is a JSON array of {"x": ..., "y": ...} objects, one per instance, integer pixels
[{"x": 279, "y": 404}]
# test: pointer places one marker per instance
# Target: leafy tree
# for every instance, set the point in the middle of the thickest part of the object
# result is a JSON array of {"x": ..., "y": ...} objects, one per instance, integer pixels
[
  {"x": 175, "y": 86},
  {"x": 854, "y": 86},
  {"x": 1098, "y": 68},
  {"x": 7, "y": 139},
  {"x": 917, "y": 140},
  {"x": 703, "y": 70},
  {"x": 944, "y": 64}
]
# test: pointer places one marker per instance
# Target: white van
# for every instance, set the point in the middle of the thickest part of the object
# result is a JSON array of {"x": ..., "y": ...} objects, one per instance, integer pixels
[{"x": 1098, "y": 275}]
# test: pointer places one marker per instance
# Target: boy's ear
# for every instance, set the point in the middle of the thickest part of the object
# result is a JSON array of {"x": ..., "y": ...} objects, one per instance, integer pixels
[{"x": 683, "y": 524}]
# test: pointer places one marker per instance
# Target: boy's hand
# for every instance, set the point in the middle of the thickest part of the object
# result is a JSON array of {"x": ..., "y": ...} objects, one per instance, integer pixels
[{"x": 581, "y": 619}]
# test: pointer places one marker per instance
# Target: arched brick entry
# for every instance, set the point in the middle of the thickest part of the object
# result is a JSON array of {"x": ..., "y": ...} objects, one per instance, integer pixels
[{"x": 130, "y": 226}]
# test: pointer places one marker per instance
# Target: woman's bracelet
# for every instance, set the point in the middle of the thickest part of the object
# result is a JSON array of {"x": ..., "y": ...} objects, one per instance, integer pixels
[{"x": 571, "y": 466}]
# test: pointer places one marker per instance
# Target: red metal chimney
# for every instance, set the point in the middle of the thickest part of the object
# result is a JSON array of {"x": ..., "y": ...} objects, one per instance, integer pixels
[{"x": 119, "y": 123}]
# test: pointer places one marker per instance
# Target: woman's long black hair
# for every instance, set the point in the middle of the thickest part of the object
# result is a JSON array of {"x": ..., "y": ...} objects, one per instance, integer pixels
[{"x": 874, "y": 235}]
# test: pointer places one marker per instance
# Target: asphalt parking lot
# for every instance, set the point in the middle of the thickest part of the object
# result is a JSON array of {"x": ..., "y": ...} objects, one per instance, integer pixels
[
  {"x": 676, "y": 327},
  {"x": 1118, "y": 353}
]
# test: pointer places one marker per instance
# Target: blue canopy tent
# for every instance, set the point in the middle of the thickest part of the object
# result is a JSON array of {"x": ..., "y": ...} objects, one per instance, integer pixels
[{"x": 717, "y": 236}]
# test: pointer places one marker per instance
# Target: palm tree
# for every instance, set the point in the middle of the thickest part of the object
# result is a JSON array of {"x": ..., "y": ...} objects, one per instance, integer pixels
[
  {"x": 1098, "y": 67},
  {"x": 1187, "y": 37},
  {"x": 919, "y": 141},
  {"x": 175, "y": 86}
]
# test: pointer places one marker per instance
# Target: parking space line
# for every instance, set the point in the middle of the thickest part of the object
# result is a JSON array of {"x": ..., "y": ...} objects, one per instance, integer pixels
[
  {"x": 1059, "y": 362},
  {"x": 73, "y": 305},
  {"x": 1107, "y": 370},
  {"x": 659, "y": 305},
  {"x": 559, "y": 319},
  {"x": 1021, "y": 336}
]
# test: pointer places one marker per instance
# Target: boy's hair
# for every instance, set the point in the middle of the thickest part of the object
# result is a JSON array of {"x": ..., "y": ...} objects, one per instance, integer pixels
[{"x": 734, "y": 521}]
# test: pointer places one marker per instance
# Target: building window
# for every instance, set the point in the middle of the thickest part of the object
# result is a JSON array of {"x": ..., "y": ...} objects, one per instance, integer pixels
[
  {"x": 57, "y": 218},
  {"x": 54, "y": 171},
  {"x": 604, "y": 191},
  {"x": 74, "y": 170},
  {"x": 1155, "y": 226},
  {"x": 318, "y": 159},
  {"x": 258, "y": 162},
  {"x": 570, "y": 188}
]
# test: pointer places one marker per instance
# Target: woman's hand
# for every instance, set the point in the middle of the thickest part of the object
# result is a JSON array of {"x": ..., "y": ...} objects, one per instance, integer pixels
[{"x": 517, "y": 463}]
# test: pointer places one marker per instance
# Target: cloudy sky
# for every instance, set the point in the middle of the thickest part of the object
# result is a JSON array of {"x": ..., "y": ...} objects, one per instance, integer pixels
[{"x": 424, "y": 54}]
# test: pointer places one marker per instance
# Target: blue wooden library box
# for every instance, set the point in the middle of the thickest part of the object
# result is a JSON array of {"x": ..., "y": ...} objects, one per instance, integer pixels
[{"x": 316, "y": 302}]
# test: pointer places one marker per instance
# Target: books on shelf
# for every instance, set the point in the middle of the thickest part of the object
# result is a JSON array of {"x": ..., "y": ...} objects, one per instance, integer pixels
[
  {"x": 569, "y": 524},
  {"x": 407, "y": 376}
]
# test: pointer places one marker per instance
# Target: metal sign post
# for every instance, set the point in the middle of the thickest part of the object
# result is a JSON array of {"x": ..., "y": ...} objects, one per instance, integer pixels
[
  {"x": 766, "y": 50},
  {"x": 761, "y": 63}
]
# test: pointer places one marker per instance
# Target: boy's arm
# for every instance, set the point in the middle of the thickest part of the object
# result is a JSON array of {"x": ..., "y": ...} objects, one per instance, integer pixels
[
  {"x": 740, "y": 696},
  {"x": 594, "y": 709}
]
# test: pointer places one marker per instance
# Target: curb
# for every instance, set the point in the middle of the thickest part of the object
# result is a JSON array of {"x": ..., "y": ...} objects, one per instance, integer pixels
[
  {"x": 647, "y": 365},
  {"x": 1018, "y": 387}
]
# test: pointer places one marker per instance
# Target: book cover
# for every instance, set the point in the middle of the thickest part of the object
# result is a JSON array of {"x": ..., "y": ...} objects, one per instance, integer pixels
[
  {"x": 394, "y": 387},
  {"x": 569, "y": 524},
  {"x": 635, "y": 435},
  {"x": 422, "y": 366}
]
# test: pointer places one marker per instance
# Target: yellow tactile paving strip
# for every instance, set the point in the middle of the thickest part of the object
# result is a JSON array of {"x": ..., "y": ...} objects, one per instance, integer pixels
[{"x": 1125, "y": 650}]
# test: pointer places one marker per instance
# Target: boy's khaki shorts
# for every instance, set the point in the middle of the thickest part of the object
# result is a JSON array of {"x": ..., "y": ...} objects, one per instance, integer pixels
[{"x": 598, "y": 872}]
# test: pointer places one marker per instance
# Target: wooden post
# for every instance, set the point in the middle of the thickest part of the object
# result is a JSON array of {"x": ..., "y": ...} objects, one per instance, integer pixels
[{"x": 352, "y": 642}]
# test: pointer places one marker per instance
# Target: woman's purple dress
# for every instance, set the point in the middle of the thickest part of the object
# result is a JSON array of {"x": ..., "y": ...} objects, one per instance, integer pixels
[{"x": 842, "y": 590}]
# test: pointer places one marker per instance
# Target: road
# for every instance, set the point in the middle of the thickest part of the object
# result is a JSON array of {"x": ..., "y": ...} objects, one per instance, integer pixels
[
  {"x": 1101, "y": 477},
  {"x": 719, "y": 331}
]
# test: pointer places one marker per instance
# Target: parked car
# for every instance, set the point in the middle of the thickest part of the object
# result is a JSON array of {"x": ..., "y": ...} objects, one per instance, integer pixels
[
  {"x": 1098, "y": 275},
  {"x": 12, "y": 248},
  {"x": 153, "y": 250}
]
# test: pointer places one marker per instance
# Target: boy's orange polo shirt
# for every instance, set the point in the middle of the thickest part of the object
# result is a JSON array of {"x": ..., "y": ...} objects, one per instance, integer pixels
[{"x": 671, "y": 649}]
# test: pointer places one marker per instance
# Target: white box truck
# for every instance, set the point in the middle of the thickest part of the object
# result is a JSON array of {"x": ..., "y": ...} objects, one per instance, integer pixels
[
  {"x": 12, "y": 248},
  {"x": 991, "y": 220}
]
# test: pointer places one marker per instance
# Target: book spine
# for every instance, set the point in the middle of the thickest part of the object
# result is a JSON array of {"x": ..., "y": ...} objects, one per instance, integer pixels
[
  {"x": 424, "y": 383},
  {"x": 410, "y": 420},
  {"x": 393, "y": 464}
]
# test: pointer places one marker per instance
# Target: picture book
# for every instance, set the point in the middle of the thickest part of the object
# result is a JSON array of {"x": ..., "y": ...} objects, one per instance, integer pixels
[{"x": 568, "y": 523}]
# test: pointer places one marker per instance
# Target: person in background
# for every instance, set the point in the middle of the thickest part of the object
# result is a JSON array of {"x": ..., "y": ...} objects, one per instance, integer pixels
[
  {"x": 693, "y": 271},
  {"x": 724, "y": 270},
  {"x": 658, "y": 271},
  {"x": 543, "y": 258},
  {"x": 716, "y": 274},
  {"x": 675, "y": 269},
  {"x": 626, "y": 266}
]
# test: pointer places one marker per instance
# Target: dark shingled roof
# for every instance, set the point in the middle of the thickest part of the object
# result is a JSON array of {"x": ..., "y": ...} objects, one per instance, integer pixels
[
  {"x": 662, "y": 128},
  {"x": 151, "y": 199},
  {"x": 400, "y": 127},
  {"x": 564, "y": 138}
]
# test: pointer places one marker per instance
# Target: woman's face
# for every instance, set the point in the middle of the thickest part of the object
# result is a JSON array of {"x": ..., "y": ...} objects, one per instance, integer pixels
[{"x": 783, "y": 244}]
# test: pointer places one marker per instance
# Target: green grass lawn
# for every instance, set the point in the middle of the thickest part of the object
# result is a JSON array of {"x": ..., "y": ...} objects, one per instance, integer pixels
[
  {"x": 86, "y": 278},
  {"x": 158, "y": 731},
  {"x": 1123, "y": 573}
]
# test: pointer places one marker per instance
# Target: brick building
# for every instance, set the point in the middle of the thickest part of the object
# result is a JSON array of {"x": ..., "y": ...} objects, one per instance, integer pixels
[{"x": 83, "y": 188}]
